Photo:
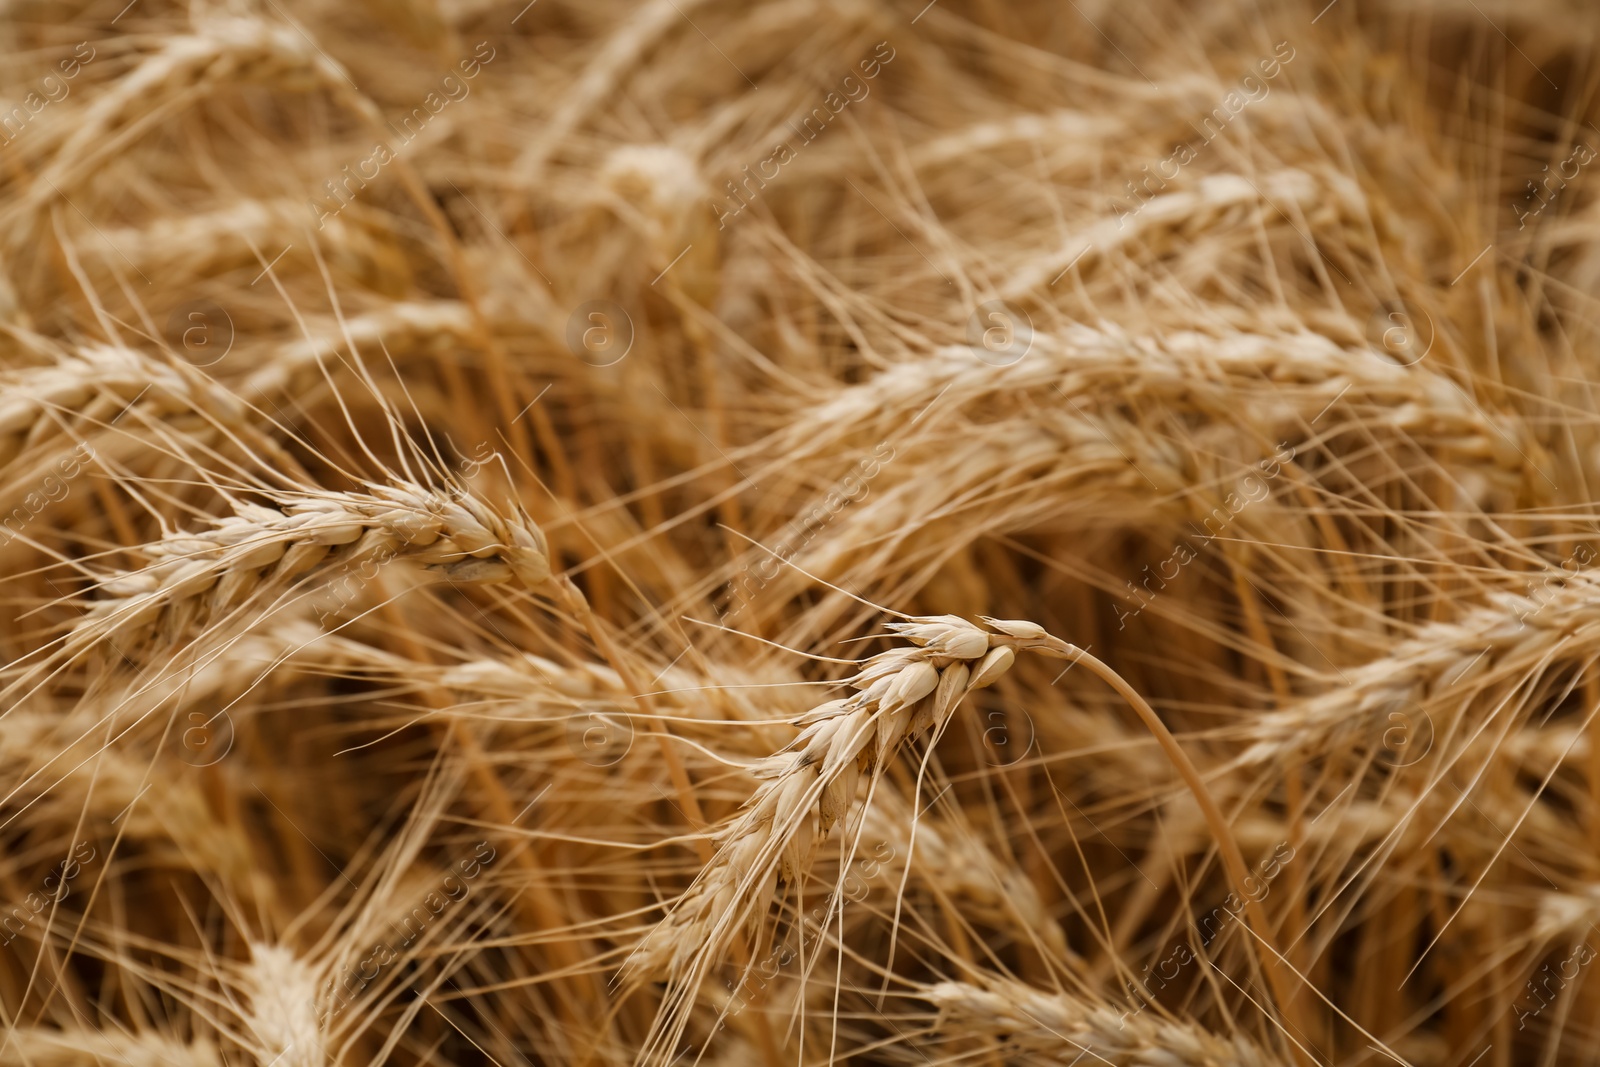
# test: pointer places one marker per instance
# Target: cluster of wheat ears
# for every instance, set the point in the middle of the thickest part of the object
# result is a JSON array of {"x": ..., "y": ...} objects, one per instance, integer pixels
[{"x": 658, "y": 532}]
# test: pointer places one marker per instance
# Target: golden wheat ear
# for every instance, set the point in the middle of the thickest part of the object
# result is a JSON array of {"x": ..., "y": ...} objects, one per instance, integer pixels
[
  {"x": 195, "y": 581},
  {"x": 811, "y": 783}
]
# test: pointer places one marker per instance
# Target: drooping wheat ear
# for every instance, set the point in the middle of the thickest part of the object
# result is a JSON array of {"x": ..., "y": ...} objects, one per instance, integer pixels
[
  {"x": 1090, "y": 427},
  {"x": 106, "y": 402},
  {"x": 1541, "y": 747},
  {"x": 203, "y": 244},
  {"x": 1442, "y": 667},
  {"x": 524, "y": 678},
  {"x": 600, "y": 77},
  {"x": 231, "y": 50},
  {"x": 660, "y": 187},
  {"x": 32, "y": 1047},
  {"x": 196, "y": 578},
  {"x": 283, "y": 1009},
  {"x": 1052, "y": 128},
  {"x": 1096, "y": 441},
  {"x": 1273, "y": 383},
  {"x": 986, "y": 886},
  {"x": 413, "y": 328},
  {"x": 95, "y": 383},
  {"x": 1170, "y": 221},
  {"x": 1062, "y": 1028},
  {"x": 112, "y": 785},
  {"x": 1574, "y": 913},
  {"x": 523, "y": 685},
  {"x": 811, "y": 784}
]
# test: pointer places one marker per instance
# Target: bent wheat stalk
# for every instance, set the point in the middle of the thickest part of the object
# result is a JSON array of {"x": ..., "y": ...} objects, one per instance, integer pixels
[{"x": 811, "y": 784}]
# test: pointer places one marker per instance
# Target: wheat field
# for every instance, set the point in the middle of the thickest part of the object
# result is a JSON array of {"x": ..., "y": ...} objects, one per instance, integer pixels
[{"x": 587, "y": 532}]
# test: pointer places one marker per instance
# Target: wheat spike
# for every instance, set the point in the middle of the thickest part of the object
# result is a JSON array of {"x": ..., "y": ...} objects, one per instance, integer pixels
[
  {"x": 195, "y": 579},
  {"x": 811, "y": 783},
  {"x": 283, "y": 1008},
  {"x": 27, "y": 1047},
  {"x": 1060, "y": 1027},
  {"x": 1442, "y": 666}
]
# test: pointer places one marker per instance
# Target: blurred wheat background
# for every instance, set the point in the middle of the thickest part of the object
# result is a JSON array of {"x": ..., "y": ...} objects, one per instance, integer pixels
[{"x": 658, "y": 532}]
